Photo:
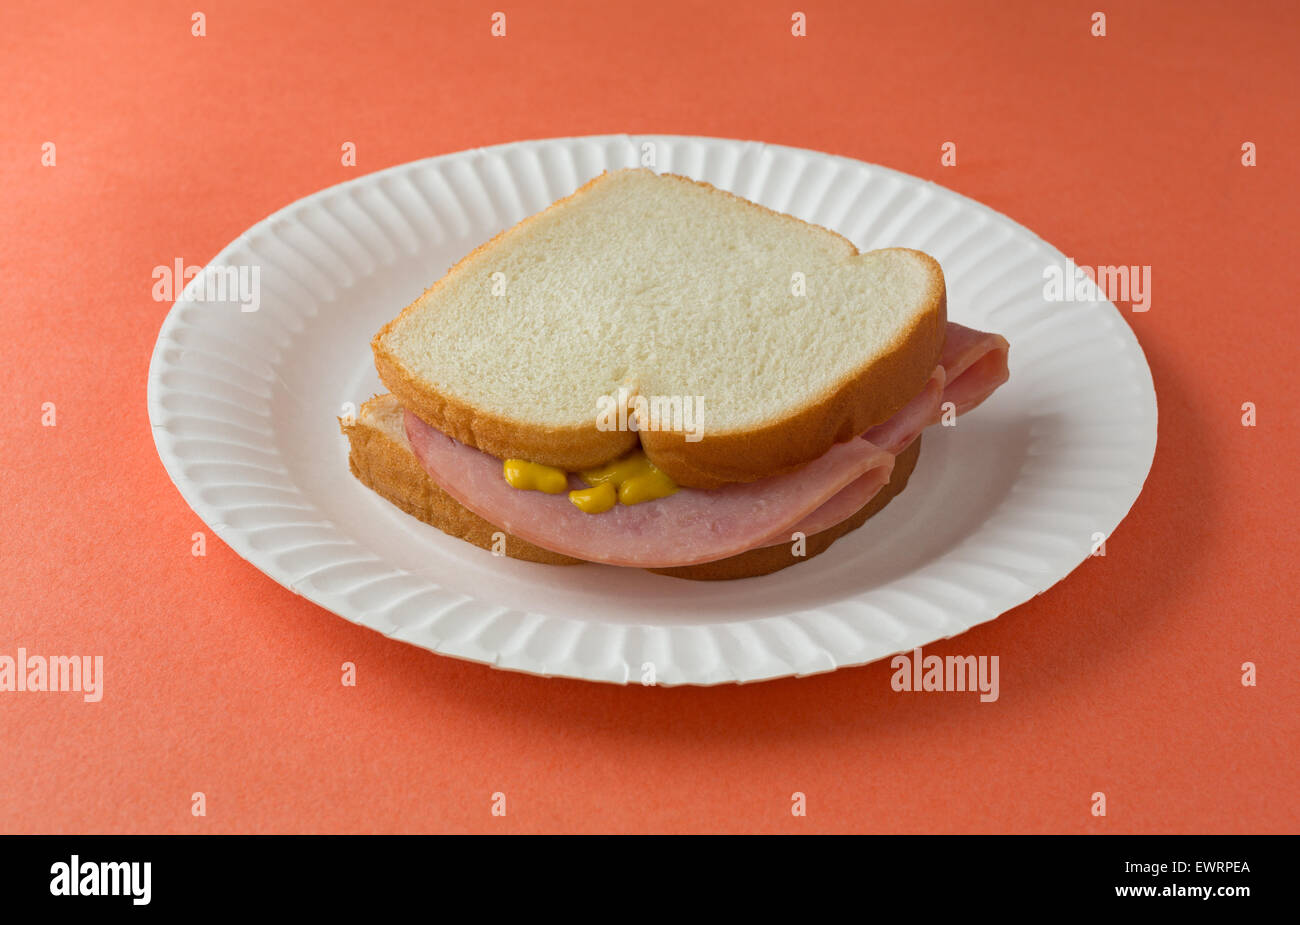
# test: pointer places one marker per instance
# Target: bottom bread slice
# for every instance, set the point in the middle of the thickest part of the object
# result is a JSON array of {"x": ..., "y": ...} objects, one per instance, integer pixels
[{"x": 381, "y": 458}]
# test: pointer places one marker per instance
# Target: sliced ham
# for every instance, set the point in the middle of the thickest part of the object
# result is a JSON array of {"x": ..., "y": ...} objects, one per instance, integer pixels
[
  {"x": 686, "y": 528},
  {"x": 972, "y": 366},
  {"x": 894, "y": 436},
  {"x": 692, "y": 526},
  {"x": 897, "y": 434},
  {"x": 975, "y": 363}
]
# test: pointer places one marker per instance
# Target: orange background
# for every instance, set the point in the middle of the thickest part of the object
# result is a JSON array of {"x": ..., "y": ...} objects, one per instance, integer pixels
[{"x": 1125, "y": 678}]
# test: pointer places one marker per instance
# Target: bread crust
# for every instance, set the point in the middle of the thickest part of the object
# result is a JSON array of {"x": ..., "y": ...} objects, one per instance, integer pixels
[
  {"x": 390, "y": 469},
  {"x": 865, "y": 398}
]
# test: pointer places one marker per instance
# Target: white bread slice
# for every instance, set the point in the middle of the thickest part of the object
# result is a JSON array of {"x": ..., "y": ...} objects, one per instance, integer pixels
[
  {"x": 380, "y": 456},
  {"x": 667, "y": 287}
]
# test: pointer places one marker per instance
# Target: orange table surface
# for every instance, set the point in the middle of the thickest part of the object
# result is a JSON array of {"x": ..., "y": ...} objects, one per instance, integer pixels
[{"x": 1124, "y": 679}]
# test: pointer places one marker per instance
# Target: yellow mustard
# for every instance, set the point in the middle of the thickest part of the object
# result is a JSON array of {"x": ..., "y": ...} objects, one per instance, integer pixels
[
  {"x": 648, "y": 487},
  {"x": 635, "y": 478},
  {"x": 632, "y": 479},
  {"x": 620, "y": 470},
  {"x": 595, "y": 500},
  {"x": 531, "y": 476}
]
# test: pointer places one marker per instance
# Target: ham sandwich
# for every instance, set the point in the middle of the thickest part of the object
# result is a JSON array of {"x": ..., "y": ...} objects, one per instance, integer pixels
[
  {"x": 696, "y": 526},
  {"x": 821, "y": 367}
]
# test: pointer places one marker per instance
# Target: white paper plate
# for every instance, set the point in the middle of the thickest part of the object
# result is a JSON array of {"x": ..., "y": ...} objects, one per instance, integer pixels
[{"x": 1000, "y": 508}]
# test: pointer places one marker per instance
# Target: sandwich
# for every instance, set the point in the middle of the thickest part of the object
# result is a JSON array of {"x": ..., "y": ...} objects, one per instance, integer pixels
[{"x": 654, "y": 373}]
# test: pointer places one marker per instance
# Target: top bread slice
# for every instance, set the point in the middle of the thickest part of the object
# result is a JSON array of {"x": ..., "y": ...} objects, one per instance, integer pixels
[{"x": 780, "y": 333}]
